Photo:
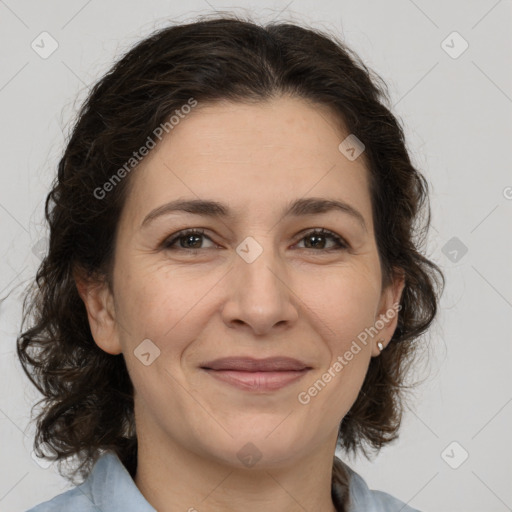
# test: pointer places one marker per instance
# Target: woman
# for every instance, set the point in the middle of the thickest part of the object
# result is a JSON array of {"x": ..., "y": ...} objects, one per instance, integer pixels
[{"x": 233, "y": 286}]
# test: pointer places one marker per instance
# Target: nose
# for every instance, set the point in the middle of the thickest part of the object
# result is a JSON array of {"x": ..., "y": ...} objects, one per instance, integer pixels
[{"x": 260, "y": 295}]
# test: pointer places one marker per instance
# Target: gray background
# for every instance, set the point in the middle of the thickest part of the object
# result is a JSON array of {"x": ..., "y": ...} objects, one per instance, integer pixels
[{"x": 457, "y": 117}]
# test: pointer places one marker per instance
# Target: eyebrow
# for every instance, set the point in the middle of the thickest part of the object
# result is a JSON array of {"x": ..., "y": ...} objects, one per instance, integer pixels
[{"x": 297, "y": 208}]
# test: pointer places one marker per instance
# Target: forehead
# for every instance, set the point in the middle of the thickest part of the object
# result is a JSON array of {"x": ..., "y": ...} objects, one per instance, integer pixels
[{"x": 259, "y": 155}]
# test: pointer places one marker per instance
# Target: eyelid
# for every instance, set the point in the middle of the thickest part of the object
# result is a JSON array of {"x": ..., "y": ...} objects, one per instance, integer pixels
[
  {"x": 170, "y": 240},
  {"x": 340, "y": 241}
]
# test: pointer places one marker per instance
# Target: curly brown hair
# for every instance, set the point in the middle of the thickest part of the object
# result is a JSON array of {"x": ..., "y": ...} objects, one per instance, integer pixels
[{"x": 88, "y": 394}]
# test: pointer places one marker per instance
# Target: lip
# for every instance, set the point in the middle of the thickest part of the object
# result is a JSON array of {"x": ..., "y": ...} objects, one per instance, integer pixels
[
  {"x": 258, "y": 381},
  {"x": 251, "y": 374},
  {"x": 251, "y": 364}
]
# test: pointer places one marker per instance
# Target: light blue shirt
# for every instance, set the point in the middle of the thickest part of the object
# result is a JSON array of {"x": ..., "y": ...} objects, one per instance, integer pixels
[{"x": 110, "y": 488}]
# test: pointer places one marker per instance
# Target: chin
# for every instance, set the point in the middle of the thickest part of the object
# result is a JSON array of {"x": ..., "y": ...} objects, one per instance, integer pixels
[{"x": 259, "y": 448}]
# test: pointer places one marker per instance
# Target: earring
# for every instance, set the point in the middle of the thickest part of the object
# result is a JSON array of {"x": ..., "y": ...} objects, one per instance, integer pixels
[{"x": 380, "y": 345}]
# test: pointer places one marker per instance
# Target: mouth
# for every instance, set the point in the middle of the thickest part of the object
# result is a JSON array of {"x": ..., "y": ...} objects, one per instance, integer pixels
[{"x": 250, "y": 374}]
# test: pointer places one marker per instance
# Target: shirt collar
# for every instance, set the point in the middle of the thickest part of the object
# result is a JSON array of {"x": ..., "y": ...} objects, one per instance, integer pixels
[{"x": 111, "y": 488}]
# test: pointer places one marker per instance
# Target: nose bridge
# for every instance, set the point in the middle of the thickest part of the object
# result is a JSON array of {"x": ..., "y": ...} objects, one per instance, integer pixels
[
  {"x": 259, "y": 294},
  {"x": 257, "y": 265}
]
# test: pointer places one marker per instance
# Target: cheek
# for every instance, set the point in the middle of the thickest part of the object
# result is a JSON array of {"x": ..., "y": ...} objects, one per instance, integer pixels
[
  {"x": 168, "y": 308},
  {"x": 151, "y": 309},
  {"x": 345, "y": 306},
  {"x": 149, "y": 300},
  {"x": 344, "y": 302}
]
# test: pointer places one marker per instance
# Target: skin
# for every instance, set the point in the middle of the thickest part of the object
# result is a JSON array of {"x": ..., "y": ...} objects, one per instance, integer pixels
[{"x": 296, "y": 299}]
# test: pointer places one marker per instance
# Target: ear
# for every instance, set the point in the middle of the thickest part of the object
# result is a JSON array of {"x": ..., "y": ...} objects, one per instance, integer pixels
[
  {"x": 387, "y": 315},
  {"x": 99, "y": 303}
]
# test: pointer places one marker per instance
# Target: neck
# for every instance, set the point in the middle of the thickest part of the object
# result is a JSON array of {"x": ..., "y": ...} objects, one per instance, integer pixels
[{"x": 171, "y": 478}]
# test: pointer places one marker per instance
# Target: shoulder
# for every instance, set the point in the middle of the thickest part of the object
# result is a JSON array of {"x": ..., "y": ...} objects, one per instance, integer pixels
[
  {"x": 108, "y": 488},
  {"x": 74, "y": 499},
  {"x": 363, "y": 498}
]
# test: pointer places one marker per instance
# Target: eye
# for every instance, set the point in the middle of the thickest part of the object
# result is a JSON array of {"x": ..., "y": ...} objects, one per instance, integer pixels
[
  {"x": 188, "y": 236},
  {"x": 317, "y": 238},
  {"x": 191, "y": 240}
]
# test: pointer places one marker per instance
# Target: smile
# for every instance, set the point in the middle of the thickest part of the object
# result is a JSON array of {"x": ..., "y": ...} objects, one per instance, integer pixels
[{"x": 258, "y": 381}]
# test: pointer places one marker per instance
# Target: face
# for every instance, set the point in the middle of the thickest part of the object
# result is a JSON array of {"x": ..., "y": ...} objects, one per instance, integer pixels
[{"x": 255, "y": 282}]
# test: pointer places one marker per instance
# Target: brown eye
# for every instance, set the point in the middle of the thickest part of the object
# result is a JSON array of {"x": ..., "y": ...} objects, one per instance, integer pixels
[
  {"x": 192, "y": 239},
  {"x": 189, "y": 240},
  {"x": 317, "y": 240}
]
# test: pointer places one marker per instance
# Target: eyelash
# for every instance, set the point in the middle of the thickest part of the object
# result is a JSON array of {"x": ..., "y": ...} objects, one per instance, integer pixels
[{"x": 169, "y": 242}]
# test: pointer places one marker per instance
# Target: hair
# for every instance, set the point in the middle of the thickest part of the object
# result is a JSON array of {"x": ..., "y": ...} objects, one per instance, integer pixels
[{"x": 88, "y": 394}]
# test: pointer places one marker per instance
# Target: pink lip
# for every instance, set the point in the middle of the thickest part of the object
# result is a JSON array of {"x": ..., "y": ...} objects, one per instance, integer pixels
[
  {"x": 258, "y": 381},
  {"x": 251, "y": 374},
  {"x": 251, "y": 364}
]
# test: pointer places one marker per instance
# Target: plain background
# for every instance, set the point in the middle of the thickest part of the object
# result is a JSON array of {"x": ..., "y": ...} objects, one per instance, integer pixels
[{"x": 456, "y": 110}]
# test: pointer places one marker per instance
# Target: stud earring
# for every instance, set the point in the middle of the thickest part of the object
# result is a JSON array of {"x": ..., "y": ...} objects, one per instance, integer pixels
[{"x": 380, "y": 345}]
